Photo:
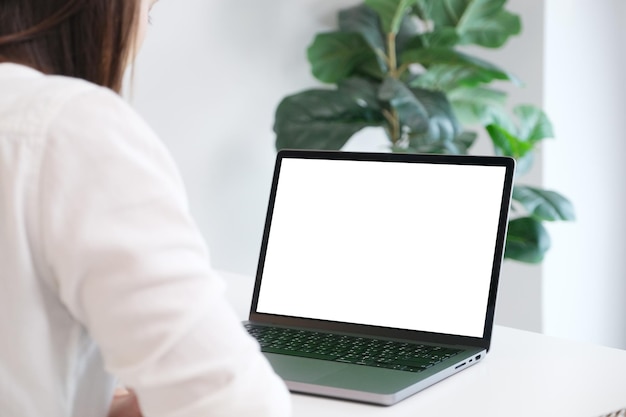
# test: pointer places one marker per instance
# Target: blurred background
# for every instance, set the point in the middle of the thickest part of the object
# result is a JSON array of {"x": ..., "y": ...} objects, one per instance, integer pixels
[{"x": 211, "y": 74}]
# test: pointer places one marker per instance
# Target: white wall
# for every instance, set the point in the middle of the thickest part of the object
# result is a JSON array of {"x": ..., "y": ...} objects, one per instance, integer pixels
[
  {"x": 585, "y": 275},
  {"x": 520, "y": 292},
  {"x": 209, "y": 79}
]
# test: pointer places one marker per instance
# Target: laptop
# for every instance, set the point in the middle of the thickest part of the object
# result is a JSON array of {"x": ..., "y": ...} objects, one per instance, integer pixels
[{"x": 378, "y": 272}]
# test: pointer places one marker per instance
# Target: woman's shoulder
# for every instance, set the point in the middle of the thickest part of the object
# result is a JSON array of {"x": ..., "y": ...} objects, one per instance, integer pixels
[
  {"x": 70, "y": 119},
  {"x": 27, "y": 90},
  {"x": 44, "y": 102},
  {"x": 98, "y": 117}
]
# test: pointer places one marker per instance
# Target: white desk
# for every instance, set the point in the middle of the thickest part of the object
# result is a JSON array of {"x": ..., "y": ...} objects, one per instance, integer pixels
[{"x": 525, "y": 374}]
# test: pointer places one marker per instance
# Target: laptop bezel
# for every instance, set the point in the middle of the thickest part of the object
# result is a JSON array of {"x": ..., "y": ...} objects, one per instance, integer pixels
[{"x": 386, "y": 332}]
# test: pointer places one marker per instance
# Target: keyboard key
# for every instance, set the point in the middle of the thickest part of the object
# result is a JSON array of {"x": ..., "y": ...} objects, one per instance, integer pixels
[{"x": 350, "y": 349}]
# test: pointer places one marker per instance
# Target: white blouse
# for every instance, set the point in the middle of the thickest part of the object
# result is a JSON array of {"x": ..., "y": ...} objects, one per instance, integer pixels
[{"x": 102, "y": 270}]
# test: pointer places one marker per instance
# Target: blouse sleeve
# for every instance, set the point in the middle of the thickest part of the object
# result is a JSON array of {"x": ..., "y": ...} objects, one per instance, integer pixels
[{"x": 128, "y": 262}]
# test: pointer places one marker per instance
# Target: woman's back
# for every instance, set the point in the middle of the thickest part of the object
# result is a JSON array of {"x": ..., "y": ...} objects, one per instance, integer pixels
[
  {"x": 98, "y": 253},
  {"x": 49, "y": 351}
]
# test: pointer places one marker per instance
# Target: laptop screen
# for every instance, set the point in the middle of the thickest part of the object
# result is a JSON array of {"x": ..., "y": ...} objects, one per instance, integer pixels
[{"x": 392, "y": 244}]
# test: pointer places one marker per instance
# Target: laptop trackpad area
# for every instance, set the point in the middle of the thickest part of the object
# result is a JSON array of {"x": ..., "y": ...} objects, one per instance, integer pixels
[{"x": 293, "y": 368}]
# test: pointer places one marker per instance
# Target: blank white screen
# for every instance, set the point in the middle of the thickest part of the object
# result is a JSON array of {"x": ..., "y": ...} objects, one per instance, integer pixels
[{"x": 401, "y": 245}]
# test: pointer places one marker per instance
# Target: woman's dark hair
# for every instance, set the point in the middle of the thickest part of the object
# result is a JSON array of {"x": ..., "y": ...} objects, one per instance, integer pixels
[{"x": 88, "y": 39}]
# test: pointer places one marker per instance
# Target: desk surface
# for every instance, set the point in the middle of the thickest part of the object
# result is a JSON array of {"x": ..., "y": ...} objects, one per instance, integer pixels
[{"x": 525, "y": 374}]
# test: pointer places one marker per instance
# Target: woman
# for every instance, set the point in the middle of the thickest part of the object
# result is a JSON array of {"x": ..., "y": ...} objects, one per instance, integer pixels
[{"x": 103, "y": 272}]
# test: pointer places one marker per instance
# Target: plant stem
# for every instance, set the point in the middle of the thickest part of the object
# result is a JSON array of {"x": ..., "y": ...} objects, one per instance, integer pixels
[
  {"x": 393, "y": 59},
  {"x": 394, "y": 125},
  {"x": 392, "y": 116}
]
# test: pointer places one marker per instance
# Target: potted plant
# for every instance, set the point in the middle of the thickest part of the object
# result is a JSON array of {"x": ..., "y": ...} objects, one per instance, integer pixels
[{"x": 397, "y": 65}]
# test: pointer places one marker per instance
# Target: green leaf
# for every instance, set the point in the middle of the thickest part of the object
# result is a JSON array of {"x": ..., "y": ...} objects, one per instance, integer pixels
[
  {"x": 370, "y": 68},
  {"x": 523, "y": 164},
  {"x": 475, "y": 105},
  {"x": 426, "y": 118},
  {"x": 544, "y": 204},
  {"x": 412, "y": 113},
  {"x": 480, "y": 22},
  {"x": 534, "y": 124},
  {"x": 508, "y": 143},
  {"x": 449, "y": 77},
  {"x": 408, "y": 30},
  {"x": 391, "y": 12},
  {"x": 441, "y": 38},
  {"x": 518, "y": 141},
  {"x": 465, "y": 140},
  {"x": 324, "y": 119},
  {"x": 432, "y": 56},
  {"x": 443, "y": 127},
  {"x": 365, "y": 94},
  {"x": 527, "y": 240},
  {"x": 421, "y": 9},
  {"x": 334, "y": 56},
  {"x": 363, "y": 20},
  {"x": 457, "y": 146}
]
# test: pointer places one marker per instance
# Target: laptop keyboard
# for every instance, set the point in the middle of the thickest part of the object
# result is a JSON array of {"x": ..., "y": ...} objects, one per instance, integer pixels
[{"x": 349, "y": 349}]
